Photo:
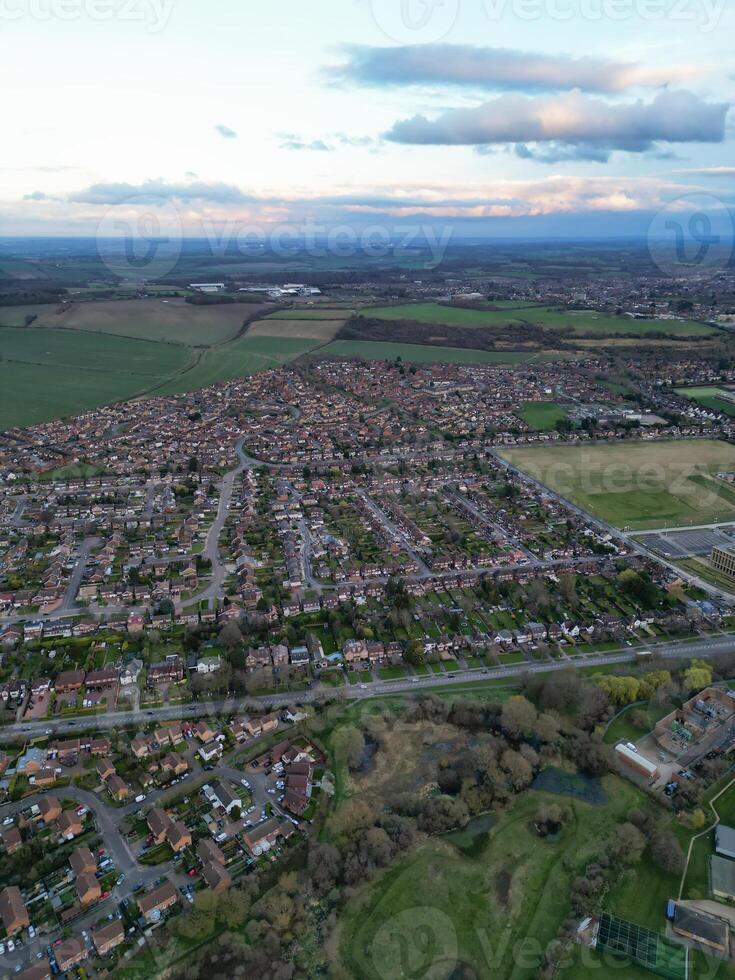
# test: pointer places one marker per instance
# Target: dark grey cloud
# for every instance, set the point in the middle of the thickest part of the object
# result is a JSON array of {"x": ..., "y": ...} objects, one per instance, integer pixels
[
  {"x": 494, "y": 68},
  {"x": 153, "y": 191},
  {"x": 571, "y": 120},
  {"x": 560, "y": 152},
  {"x": 225, "y": 132}
]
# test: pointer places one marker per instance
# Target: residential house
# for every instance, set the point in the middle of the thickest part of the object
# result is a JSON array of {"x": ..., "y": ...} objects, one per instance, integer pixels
[
  {"x": 88, "y": 889},
  {"x": 70, "y": 953},
  {"x": 216, "y": 876},
  {"x": 49, "y": 809},
  {"x": 11, "y": 840},
  {"x": 208, "y": 852},
  {"x": 82, "y": 861},
  {"x": 107, "y": 937},
  {"x": 13, "y": 911},
  {"x": 70, "y": 824},
  {"x": 157, "y": 901}
]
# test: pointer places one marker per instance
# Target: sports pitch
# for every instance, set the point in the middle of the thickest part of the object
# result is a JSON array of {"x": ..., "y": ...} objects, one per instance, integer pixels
[{"x": 638, "y": 485}]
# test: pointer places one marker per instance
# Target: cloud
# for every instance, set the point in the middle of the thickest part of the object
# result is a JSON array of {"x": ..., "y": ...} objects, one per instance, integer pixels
[
  {"x": 225, "y": 132},
  {"x": 290, "y": 141},
  {"x": 153, "y": 191},
  {"x": 710, "y": 172},
  {"x": 497, "y": 68},
  {"x": 37, "y": 196},
  {"x": 572, "y": 119},
  {"x": 206, "y": 205}
]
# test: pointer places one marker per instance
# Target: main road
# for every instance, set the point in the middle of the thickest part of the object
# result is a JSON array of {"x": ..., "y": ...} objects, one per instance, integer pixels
[{"x": 670, "y": 650}]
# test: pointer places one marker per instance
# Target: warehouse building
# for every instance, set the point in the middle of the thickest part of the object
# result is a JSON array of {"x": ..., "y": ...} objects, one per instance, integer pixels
[
  {"x": 725, "y": 841},
  {"x": 722, "y": 877},
  {"x": 627, "y": 754},
  {"x": 723, "y": 559}
]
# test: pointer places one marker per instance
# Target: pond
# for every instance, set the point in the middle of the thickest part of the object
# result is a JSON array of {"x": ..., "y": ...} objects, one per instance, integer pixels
[
  {"x": 587, "y": 788},
  {"x": 471, "y": 840}
]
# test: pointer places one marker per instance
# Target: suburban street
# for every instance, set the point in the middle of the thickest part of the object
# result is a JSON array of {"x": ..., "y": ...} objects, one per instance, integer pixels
[
  {"x": 674, "y": 650},
  {"x": 108, "y": 821}
]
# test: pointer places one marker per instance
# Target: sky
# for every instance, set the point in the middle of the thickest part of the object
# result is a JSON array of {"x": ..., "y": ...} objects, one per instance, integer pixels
[{"x": 507, "y": 117}]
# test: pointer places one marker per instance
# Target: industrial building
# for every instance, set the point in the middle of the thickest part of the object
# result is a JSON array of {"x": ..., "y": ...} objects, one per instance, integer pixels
[
  {"x": 627, "y": 754},
  {"x": 699, "y": 927},
  {"x": 722, "y": 877},
  {"x": 723, "y": 559},
  {"x": 702, "y": 724},
  {"x": 725, "y": 841}
]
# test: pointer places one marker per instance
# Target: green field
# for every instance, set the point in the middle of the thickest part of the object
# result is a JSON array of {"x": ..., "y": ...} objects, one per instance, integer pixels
[
  {"x": 48, "y": 373},
  {"x": 425, "y": 354},
  {"x": 542, "y": 415},
  {"x": 638, "y": 485},
  {"x": 244, "y": 356},
  {"x": 581, "y": 322},
  {"x": 479, "y": 906},
  {"x": 709, "y": 397}
]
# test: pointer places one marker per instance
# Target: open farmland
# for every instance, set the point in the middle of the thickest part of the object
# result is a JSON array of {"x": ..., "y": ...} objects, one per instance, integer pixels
[
  {"x": 243, "y": 356},
  {"x": 46, "y": 373},
  {"x": 313, "y": 328},
  {"x": 579, "y": 322},
  {"x": 425, "y": 354},
  {"x": 638, "y": 485},
  {"x": 172, "y": 321}
]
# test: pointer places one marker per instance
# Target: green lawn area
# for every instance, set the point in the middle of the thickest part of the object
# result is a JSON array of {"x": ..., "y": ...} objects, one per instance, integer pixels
[
  {"x": 440, "y": 907},
  {"x": 638, "y": 485},
  {"x": 621, "y": 727},
  {"x": 542, "y": 415}
]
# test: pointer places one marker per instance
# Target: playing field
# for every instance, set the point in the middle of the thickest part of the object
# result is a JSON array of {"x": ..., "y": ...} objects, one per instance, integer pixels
[
  {"x": 710, "y": 397},
  {"x": 172, "y": 321},
  {"x": 425, "y": 354},
  {"x": 542, "y": 415},
  {"x": 638, "y": 485},
  {"x": 580, "y": 322}
]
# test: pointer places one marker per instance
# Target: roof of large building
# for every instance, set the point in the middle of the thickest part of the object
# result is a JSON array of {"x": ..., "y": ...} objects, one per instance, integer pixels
[
  {"x": 705, "y": 927},
  {"x": 725, "y": 840},
  {"x": 722, "y": 875}
]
